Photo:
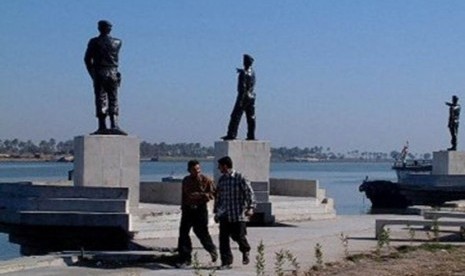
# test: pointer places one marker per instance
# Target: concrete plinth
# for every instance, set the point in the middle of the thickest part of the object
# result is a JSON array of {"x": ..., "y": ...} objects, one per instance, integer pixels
[
  {"x": 251, "y": 159},
  {"x": 448, "y": 163},
  {"x": 108, "y": 161}
]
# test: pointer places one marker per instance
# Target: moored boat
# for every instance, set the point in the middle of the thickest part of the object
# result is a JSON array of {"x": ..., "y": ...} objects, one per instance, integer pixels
[
  {"x": 389, "y": 194},
  {"x": 417, "y": 184},
  {"x": 383, "y": 194}
]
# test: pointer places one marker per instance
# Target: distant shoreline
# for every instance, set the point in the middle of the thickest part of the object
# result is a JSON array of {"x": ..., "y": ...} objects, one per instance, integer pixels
[{"x": 185, "y": 159}]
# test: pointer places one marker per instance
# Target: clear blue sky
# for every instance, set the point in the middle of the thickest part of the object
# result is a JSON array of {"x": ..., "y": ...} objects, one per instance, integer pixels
[{"x": 364, "y": 75}]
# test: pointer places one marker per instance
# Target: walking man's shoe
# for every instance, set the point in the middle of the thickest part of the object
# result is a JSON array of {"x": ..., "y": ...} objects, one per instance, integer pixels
[
  {"x": 245, "y": 258},
  {"x": 184, "y": 265},
  {"x": 214, "y": 256},
  {"x": 225, "y": 266}
]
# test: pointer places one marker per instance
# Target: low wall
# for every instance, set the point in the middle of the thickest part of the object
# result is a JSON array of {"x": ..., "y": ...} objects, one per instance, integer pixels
[
  {"x": 170, "y": 192},
  {"x": 160, "y": 192},
  {"x": 294, "y": 187}
]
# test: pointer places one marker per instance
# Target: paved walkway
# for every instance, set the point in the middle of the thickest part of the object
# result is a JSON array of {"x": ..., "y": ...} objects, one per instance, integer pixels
[{"x": 300, "y": 238}]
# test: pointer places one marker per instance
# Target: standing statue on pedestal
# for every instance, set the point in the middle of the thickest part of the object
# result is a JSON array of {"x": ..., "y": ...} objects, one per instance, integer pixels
[
  {"x": 245, "y": 101},
  {"x": 101, "y": 60},
  {"x": 454, "y": 114}
]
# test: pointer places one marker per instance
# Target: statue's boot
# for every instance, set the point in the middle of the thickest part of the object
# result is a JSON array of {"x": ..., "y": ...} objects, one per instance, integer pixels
[
  {"x": 114, "y": 126},
  {"x": 102, "y": 127},
  {"x": 251, "y": 129},
  {"x": 232, "y": 128},
  {"x": 227, "y": 137}
]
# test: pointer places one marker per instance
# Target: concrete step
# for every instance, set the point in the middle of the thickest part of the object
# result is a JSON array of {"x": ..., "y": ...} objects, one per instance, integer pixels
[
  {"x": 64, "y": 218},
  {"x": 154, "y": 221},
  {"x": 65, "y": 204},
  {"x": 301, "y": 216},
  {"x": 166, "y": 225},
  {"x": 27, "y": 189},
  {"x": 149, "y": 224},
  {"x": 301, "y": 208}
]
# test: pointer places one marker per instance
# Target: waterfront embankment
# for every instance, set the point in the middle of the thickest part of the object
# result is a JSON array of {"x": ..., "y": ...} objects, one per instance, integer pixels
[{"x": 298, "y": 238}]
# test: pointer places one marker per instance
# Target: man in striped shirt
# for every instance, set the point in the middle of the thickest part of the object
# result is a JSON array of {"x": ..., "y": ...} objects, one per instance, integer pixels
[{"x": 234, "y": 204}]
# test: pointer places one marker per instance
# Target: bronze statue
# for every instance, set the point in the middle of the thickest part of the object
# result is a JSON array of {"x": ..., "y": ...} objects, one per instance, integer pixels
[
  {"x": 245, "y": 101},
  {"x": 101, "y": 60},
  {"x": 454, "y": 114}
]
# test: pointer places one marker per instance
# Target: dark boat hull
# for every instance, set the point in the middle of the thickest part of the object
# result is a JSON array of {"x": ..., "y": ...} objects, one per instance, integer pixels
[
  {"x": 384, "y": 194},
  {"x": 432, "y": 196},
  {"x": 387, "y": 194}
]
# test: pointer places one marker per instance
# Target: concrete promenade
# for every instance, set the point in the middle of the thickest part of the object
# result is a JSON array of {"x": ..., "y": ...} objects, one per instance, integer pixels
[{"x": 300, "y": 238}]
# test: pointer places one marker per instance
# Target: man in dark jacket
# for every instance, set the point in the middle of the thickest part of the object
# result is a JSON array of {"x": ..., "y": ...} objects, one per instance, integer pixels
[{"x": 197, "y": 190}]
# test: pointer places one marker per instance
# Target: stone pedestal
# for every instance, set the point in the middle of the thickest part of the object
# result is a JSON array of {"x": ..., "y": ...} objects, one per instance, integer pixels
[
  {"x": 108, "y": 161},
  {"x": 251, "y": 159},
  {"x": 448, "y": 163}
]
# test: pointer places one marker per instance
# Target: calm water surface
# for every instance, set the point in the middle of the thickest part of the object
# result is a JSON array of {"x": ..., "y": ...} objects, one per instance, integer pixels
[{"x": 341, "y": 181}]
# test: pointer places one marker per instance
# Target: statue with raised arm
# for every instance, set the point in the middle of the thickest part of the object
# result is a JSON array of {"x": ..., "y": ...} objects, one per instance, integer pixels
[
  {"x": 454, "y": 114},
  {"x": 101, "y": 59},
  {"x": 245, "y": 101}
]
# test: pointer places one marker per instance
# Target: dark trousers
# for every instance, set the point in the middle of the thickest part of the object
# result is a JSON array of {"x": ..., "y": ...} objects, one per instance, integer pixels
[
  {"x": 106, "y": 94},
  {"x": 196, "y": 218},
  {"x": 237, "y": 231},
  {"x": 454, "y": 129},
  {"x": 239, "y": 108}
]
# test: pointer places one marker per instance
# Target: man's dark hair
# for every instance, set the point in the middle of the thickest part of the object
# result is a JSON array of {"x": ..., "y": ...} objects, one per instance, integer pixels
[
  {"x": 226, "y": 161},
  {"x": 191, "y": 164}
]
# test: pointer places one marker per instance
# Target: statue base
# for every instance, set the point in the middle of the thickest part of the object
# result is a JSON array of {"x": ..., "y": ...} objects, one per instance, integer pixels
[
  {"x": 448, "y": 163},
  {"x": 251, "y": 159},
  {"x": 108, "y": 161}
]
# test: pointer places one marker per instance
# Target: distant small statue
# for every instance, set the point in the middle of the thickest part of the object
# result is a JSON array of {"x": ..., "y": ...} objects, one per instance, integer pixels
[
  {"x": 101, "y": 59},
  {"x": 245, "y": 101},
  {"x": 454, "y": 114}
]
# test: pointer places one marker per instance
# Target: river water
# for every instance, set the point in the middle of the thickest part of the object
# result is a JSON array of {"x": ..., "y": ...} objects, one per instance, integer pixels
[{"x": 340, "y": 179}]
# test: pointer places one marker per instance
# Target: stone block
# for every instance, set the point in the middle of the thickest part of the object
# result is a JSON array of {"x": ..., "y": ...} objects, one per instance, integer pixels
[
  {"x": 65, "y": 204},
  {"x": 448, "y": 163},
  {"x": 294, "y": 187},
  {"x": 48, "y": 218},
  {"x": 51, "y": 191},
  {"x": 108, "y": 161},
  {"x": 251, "y": 158},
  {"x": 263, "y": 207},
  {"x": 262, "y": 214},
  {"x": 260, "y": 186},
  {"x": 161, "y": 192},
  {"x": 262, "y": 196}
]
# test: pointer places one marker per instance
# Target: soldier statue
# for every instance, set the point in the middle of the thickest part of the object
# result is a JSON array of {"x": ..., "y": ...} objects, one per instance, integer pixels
[
  {"x": 101, "y": 59},
  {"x": 245, "y": 101},
  {"x": 454, "y": 114}
]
